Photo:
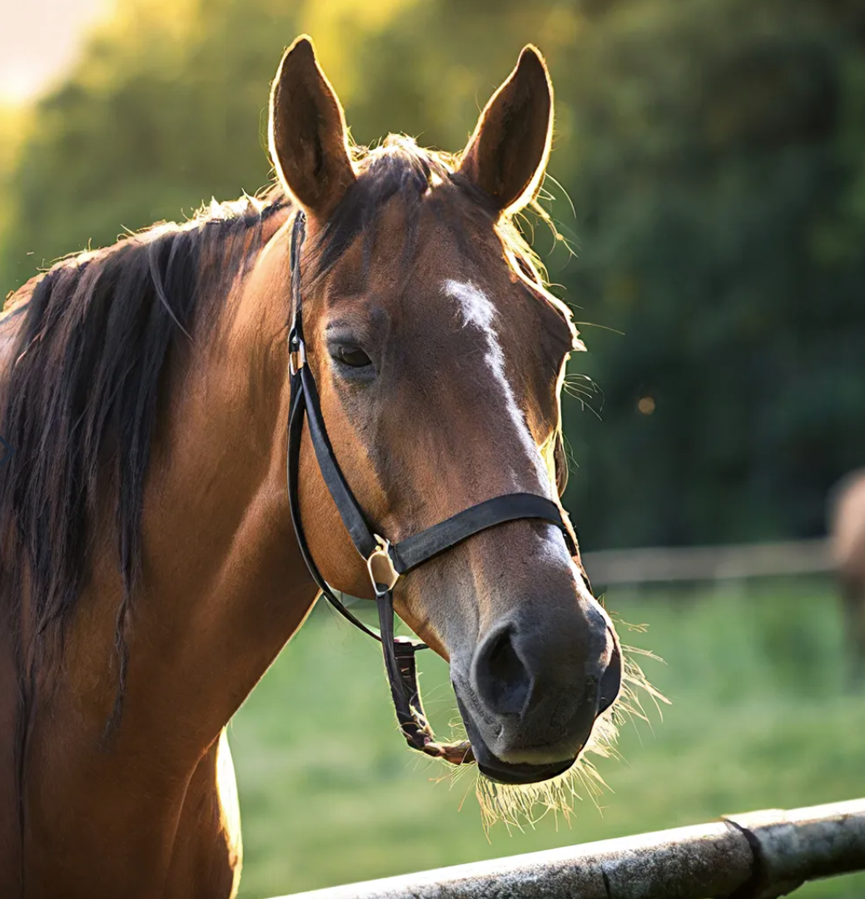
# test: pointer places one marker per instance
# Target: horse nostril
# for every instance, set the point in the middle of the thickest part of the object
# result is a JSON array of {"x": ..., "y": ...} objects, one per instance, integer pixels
[{"x": 502, "y": 678}]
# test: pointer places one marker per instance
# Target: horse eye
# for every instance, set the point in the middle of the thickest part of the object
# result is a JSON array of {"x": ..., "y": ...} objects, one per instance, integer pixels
[{"x": 352, "y": 356}]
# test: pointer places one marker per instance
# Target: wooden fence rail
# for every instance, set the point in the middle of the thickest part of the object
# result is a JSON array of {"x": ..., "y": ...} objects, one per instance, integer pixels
[
  {"x": 708, "y": 563},
  {"x": 760, "y": 855}
]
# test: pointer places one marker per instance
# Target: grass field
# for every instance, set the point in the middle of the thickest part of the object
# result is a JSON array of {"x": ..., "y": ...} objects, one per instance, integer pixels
[{"x": 759, "y": 719}]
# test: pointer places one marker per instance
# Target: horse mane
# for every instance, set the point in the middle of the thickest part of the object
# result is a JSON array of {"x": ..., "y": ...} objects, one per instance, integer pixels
[
  {"x": 82, "y": 396},
  {"x": 91, "y": 362}
]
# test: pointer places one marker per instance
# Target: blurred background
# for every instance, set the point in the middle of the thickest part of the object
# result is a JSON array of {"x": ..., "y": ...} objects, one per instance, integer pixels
[{"x": 708, "y": 181}]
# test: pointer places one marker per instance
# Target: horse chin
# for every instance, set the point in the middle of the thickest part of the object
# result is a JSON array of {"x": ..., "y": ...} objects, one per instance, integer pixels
[
  {"x": 511, "y": 773},
  {"x": 496, "y": 770}
]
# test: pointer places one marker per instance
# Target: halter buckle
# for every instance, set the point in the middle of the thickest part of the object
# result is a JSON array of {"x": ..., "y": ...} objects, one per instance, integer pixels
[
  {"x": 296, "y": 358},
  {"x": 380, "y": 566}
]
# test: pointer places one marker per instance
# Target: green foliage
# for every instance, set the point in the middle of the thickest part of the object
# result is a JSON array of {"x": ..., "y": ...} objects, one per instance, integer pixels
[
  {"x": 713, "y": 194},
  {"x": 758, "y": 719},
  {"x": 714, "y": 151}
]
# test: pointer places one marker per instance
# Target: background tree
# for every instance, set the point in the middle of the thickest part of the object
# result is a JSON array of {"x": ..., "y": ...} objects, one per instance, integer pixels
[{"x": 714, "y": 152}]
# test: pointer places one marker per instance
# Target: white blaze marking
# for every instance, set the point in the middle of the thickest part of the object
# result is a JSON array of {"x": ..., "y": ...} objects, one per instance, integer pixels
[{"x": 478, "y": 312}]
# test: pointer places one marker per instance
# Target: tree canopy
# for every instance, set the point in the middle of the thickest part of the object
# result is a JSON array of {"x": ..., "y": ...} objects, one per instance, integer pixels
[{"x": 714, "y": 154}]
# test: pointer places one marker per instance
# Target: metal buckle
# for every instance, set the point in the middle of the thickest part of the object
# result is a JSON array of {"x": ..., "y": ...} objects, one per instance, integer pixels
[
  {"x": 296, "y": 358},
  {"x": 380, "y": 566}
]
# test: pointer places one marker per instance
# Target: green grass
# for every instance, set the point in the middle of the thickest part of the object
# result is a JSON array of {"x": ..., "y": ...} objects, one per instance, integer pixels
[{"x": 759, "y": 719}]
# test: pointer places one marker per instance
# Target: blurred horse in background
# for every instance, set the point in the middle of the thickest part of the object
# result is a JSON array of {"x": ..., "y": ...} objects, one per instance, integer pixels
[
  {"x": 149, "y": 571},
  {"x": 847, "y": 534}
]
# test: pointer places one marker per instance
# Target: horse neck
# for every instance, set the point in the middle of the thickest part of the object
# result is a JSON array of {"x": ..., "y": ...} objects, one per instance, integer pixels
[{"x": 223, "y": 586}]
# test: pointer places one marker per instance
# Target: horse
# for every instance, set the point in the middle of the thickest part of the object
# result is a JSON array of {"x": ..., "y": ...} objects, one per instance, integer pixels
[
  {"x": 847, "y": 534},
  {"x": 149, "y": 569}
]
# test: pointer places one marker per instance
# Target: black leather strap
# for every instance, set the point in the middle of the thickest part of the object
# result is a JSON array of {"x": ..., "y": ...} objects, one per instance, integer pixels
[
  {"x": 402, "y": 676},
  {"x": 349, "y": 508},
  {"x": 420, "y": 548},
  {"x": 398, "y": 652},
  {"x": 295, "y": 432}
]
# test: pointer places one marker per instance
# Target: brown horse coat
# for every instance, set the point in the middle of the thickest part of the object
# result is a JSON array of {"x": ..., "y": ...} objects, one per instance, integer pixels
[
  {"x": 847, "y": 533},
  {"x": 148, "y": 570}
]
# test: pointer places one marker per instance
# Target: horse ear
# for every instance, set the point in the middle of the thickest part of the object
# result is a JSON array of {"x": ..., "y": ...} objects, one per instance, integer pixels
[
  {"x": 508, "y": 152},
  {"x": 307, "y": 133}
]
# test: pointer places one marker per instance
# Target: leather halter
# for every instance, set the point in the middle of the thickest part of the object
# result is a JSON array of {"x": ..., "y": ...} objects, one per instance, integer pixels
[{"x": 386, "y": 562}]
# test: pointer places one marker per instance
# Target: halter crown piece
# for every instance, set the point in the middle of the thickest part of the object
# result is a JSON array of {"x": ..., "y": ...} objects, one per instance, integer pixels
[{"x": 385, "y": 561}]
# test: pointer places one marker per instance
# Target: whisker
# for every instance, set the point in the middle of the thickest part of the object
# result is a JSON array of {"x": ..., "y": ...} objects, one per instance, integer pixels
[{"x": 521, "y": 806}]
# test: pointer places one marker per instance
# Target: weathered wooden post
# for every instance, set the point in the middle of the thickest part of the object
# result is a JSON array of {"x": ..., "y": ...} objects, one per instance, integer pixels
[{"x": 759, "y": 855}]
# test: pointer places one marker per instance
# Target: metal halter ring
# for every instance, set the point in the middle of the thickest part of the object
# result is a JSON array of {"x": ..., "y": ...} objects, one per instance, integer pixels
[
  {"x": 380, "y": 566},
  {"x": 296, "y": 358}
]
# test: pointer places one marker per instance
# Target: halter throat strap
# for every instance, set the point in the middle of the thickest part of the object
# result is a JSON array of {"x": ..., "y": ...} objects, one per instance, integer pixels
[{"x": 386, "y": 562}]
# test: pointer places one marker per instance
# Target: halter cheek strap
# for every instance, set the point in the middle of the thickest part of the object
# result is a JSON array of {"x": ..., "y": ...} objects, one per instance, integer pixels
[{"x": 386, "y": 562}]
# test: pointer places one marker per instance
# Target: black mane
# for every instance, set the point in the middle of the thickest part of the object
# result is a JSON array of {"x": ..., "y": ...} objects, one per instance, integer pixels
[
  {"x": 398, "y": 168},
  {"x": 82, "y": 396}
]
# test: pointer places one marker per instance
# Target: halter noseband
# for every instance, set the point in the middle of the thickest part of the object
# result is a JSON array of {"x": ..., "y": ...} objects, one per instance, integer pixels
[{"x": 386, "y": 562}]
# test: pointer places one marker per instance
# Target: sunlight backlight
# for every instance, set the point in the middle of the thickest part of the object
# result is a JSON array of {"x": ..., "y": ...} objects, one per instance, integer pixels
[{"x": 39, "y": 40}]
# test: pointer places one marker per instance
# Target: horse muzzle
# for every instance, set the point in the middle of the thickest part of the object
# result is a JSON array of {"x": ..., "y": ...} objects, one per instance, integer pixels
[{"x": 528, "y": 705}]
